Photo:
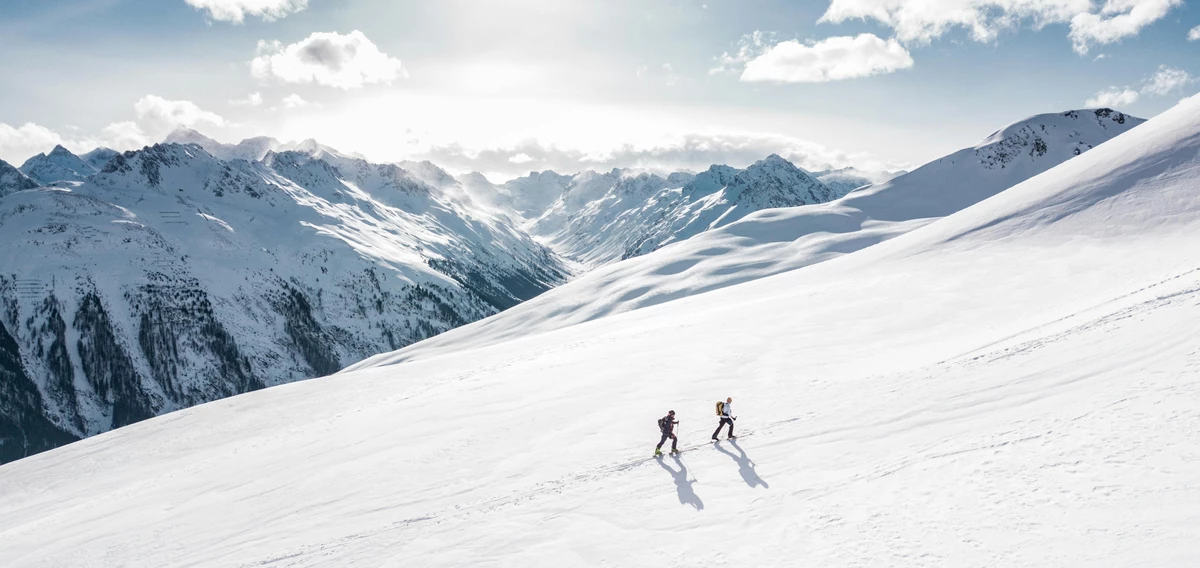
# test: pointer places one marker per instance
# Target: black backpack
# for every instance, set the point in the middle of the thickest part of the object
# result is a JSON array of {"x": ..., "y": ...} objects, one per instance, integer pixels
[{"x": 664, "y": 423}]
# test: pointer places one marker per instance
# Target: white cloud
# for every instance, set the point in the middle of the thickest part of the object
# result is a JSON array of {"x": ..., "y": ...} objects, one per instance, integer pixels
[
  {"x": 521, "y": 158},
  {"x": 254, "y": 99},
  {"x": 1166, "y": 80},
  {"x": 157, "y": 116},
  {"x": 1194, "y": 34},
  {"x": 294, "y": 101},
  {"x": 327, "y": 58},
  {"x": 749, "y": 47},
  {"x": 1116, "y": 20},
  {"x": 832, "y": 59},
  {"x": 1091, "y": 23},
  {"x": 236, "y": 10},
  {"x": 20, "y": 143},
  {"x": 1113, "y": 97},
  {"x": 123, "y": 135}
]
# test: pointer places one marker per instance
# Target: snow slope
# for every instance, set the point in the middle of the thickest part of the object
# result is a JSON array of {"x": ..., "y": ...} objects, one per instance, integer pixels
[
  {"x": 777, "y": 240},
  {"x": 174, "y": 278},
  {"x": 1014, "y": 385}
]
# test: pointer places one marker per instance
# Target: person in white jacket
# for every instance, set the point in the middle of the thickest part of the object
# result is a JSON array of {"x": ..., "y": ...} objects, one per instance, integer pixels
[{"x": 727, "y": 417}]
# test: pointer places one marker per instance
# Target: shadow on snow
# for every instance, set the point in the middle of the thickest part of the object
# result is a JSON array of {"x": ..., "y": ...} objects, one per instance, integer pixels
[
  {"x": 745, "y": 465},
  {"x": 687, "y": 496}
]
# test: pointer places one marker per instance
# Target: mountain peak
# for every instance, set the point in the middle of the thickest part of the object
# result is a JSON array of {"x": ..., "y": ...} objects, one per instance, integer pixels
[
  {"x": 59, "y": 165},
  {"x": 185, "y": 135}
]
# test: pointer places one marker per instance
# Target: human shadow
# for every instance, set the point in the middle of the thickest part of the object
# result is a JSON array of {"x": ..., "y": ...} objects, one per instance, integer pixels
[
  {"x": 687, "y": 496},
  {"x": 745, "y": 465}
]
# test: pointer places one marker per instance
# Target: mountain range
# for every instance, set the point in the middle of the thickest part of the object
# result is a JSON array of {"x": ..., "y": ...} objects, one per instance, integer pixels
[
  {"x": 143, "y": 282},
  {"x": 171, "y": 277},
  {"x": 771, "y": 241}
]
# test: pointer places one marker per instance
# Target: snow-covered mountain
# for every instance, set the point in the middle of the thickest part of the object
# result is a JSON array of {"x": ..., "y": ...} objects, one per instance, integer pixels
[
  {"x": 173, "y": 278},
  {"x": 1015, "y": 384},
  {"x": 59, "y": 165},
  {"x": 98, "y": 158},
  {"x": 12, "y": 179},
  {"x": 597, "y": 218},
  {"x": 777, "y": 240}
]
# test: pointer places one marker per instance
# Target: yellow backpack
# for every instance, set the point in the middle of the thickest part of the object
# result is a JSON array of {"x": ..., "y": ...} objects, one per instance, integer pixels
[{"x": 720, "y": 408}]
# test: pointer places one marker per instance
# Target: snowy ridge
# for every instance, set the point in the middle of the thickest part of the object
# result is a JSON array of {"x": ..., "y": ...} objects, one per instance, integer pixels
[
  {"x": 1012, "y": 385},
  {"x": 173, "y": 278},
  {"x": 777, "y": 240},
  {"x": 601, "y": 218}
]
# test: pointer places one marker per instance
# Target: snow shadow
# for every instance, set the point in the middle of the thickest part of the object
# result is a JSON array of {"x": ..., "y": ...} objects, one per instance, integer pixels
[
  {"x": 687, "y": 496},
  {"x": 745, "y": 465}
]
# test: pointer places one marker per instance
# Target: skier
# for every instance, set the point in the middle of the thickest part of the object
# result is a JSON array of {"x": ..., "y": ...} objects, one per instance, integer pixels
[
  {"x": 725, "y": 411},
  {"x": 667, "y": 425}
]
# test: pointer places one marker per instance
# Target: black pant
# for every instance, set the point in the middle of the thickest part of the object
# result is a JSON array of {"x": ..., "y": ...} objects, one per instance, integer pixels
[
  {"x": 674, "y": 441},
  {"x": 724, "y": 420}
]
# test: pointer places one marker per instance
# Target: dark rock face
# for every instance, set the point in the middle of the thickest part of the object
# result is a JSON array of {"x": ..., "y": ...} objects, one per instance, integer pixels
[
  {"x": 24, "y": 428},
  {"x": 107, "y": 365}
]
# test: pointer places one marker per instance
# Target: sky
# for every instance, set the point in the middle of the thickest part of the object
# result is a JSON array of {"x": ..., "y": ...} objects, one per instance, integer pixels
[{"x": 509, "y": 87}]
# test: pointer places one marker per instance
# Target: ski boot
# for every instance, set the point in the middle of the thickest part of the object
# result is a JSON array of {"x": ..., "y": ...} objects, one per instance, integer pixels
[{"x": 658, "y": 452}]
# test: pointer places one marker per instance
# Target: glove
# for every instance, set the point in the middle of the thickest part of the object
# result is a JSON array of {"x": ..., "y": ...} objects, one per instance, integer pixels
[{"x": 733, "y": 417}]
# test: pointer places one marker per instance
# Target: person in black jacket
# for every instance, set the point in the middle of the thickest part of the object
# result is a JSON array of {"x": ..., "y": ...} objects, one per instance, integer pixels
[{"x": 667, "y": 425}]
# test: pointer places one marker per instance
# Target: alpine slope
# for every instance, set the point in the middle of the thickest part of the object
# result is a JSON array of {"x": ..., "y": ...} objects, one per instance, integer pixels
[
  {"x": 776, "y": 240},
  {"x": 1015, "y": 384}
]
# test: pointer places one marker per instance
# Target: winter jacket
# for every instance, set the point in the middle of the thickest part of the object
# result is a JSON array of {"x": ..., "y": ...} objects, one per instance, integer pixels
[
  {"x": 727, "y": 411},
  {"x": 667, "y": 424}
]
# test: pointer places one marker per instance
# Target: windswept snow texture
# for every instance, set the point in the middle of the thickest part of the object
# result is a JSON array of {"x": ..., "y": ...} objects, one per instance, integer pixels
[
  {"x": 1017, "y": 384},
  {"x": 173, "y": 278},
  {"x": 777, "y": 240}
]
